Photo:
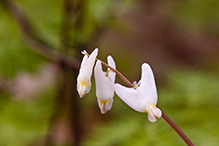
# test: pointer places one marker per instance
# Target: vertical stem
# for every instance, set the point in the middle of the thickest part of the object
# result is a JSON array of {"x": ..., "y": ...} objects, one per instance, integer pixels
[
  {"x": 58, "y": 102},
  {"x": 75, "y": 110},
  {"x": 67, "y": 110},
  {"x": 66, "y": 25},
  {"x": 71, "y": 18},
  {"x": 71, "y": 105}
]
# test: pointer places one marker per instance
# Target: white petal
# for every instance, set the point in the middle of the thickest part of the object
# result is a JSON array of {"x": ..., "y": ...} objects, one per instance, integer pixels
[
  {"x": 104, "y": 87},
  {"x": 105, "y": 105},
  {"x": 84, "y": 60},
  {"x": 156, "y": 111},
  {"x": 151, "y": 116},
  {"x": 131, "y": 97},
  {"x": 83, "y": 88},
  {"x": 153, "y": 113},
  {"x": 85, "y": 72},
  {"x": 87, "y": 67},
  {"x": 111, "y": 74},
  {"x": 147, "y": 85}
]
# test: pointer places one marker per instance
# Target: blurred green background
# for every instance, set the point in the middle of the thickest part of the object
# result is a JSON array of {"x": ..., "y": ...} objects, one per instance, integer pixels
[{"x": 38, "y": 100}]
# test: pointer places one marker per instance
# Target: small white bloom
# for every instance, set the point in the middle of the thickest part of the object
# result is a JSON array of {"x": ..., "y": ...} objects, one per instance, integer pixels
[
  {"x": 142, "y": 98},
  {"x": 85, "y": 72},
  {"x": 104, "y": 85}
]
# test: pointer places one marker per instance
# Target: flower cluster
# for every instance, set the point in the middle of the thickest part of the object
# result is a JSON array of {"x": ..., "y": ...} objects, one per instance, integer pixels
[{"x": 142, "y": 96}]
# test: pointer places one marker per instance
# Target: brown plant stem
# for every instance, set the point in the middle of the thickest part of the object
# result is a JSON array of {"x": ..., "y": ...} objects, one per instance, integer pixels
[
  {"x": 71, "y": 19},
  {"x": 119, "y": 74},
  {"x": 177, "y": 129},
  {"x": 165, "y": 117},
  {"x": 113, "y": 69}
]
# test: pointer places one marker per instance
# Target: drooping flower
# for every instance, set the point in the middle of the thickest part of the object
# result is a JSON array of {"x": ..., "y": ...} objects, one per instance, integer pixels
[
  {"x": 142, "y": 97},
  {"x": 104, "y": 85},
  {"x": 85, "y": 72}
]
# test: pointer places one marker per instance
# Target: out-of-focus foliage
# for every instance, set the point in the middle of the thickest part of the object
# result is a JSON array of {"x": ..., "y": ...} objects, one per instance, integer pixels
[
  {"x": 24, "y": 122},
  {"x": 199, "y": 13},
  {"x": 45, "y": 16},
  {"x": 14, "y": 55},
  {"x": 190, "y": 97}
]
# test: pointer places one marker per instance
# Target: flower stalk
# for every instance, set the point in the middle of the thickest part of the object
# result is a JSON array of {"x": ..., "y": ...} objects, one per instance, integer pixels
[
  {"x": 165, "y": 117},
  {"x": 118, "y": 73},
  {"x": 114, "y": 70},
  {"x": 177, "y": 129}
]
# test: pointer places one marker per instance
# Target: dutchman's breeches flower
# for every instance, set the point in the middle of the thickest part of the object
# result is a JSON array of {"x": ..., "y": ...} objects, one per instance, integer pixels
[
  {"x": 104, "y": 85},
  {"x": 143, "y": 97},
  {"x": 85, "y": 72}
]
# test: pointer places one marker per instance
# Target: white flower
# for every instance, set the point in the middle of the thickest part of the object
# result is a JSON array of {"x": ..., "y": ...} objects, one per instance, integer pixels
[
  {"x": 85, "y": 72},
  {"x": 142, "y": 98},
  {"x": 104, "y": 85}
]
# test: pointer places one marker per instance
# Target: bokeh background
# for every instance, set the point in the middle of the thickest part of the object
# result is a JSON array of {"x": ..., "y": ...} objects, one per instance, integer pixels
[{"x": 40, "y": 44}]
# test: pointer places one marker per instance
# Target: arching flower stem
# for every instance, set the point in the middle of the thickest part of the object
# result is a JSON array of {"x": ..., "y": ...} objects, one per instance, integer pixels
[
  {"x": 118, "y": 73},
  {"x": 165, "y": 117},
  {"x": 114, "y": 70}
]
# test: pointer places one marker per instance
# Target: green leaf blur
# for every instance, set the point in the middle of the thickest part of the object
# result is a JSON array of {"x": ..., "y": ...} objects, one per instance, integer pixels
[{"x": 187, "y": 90}]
